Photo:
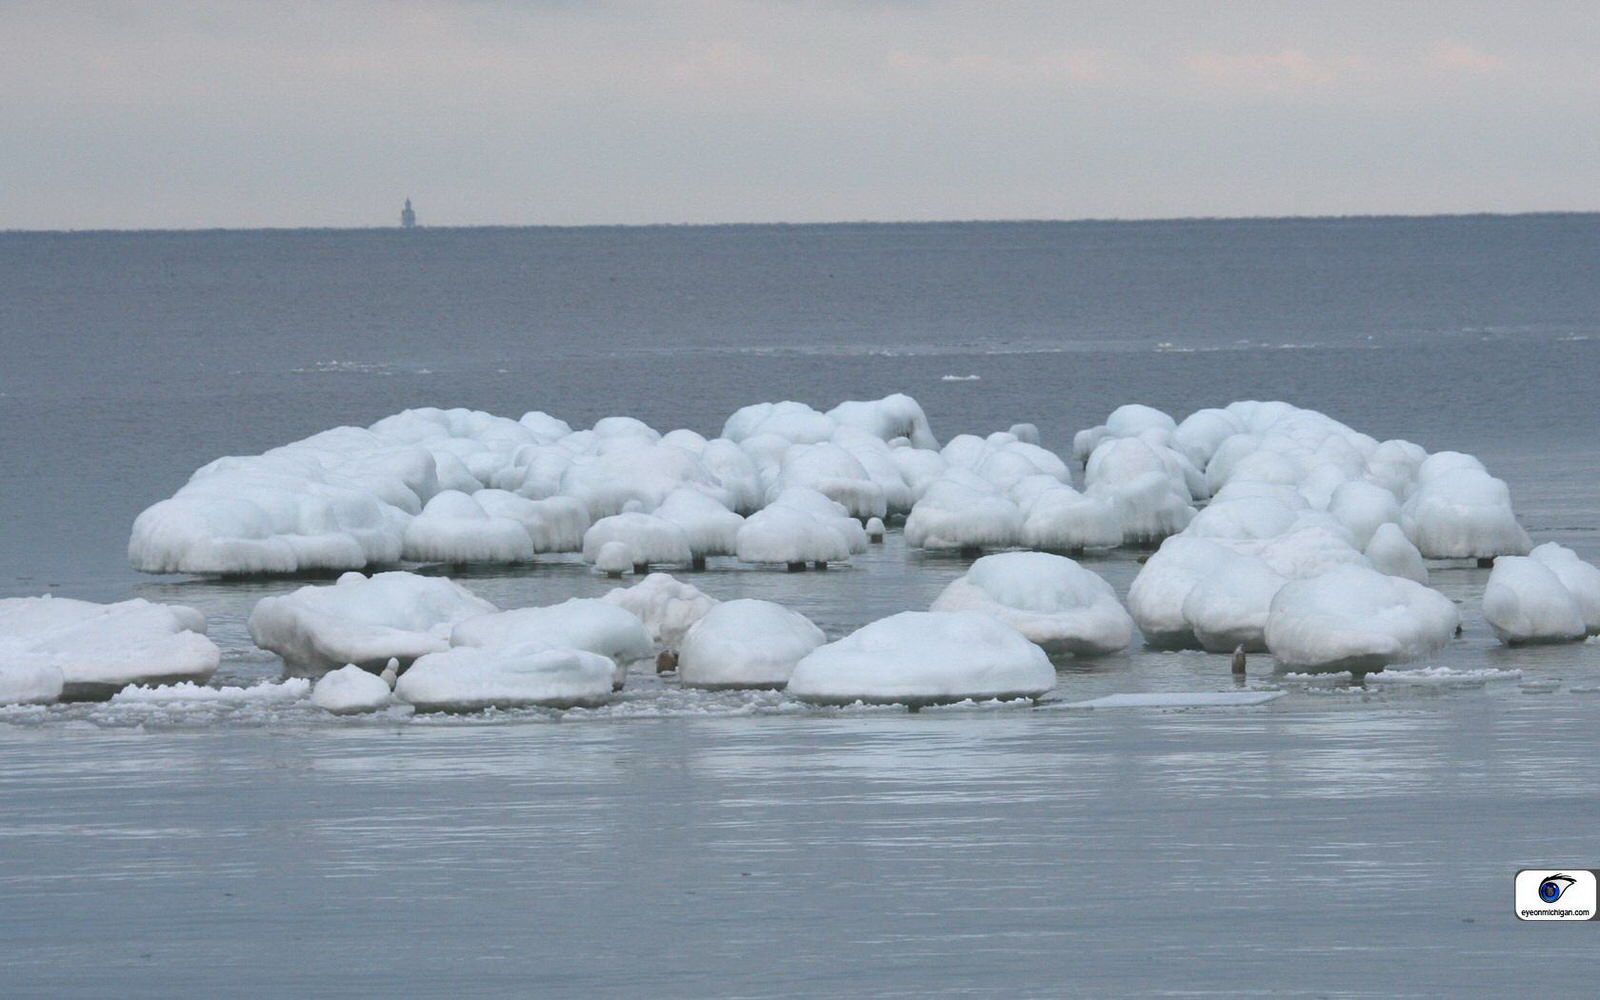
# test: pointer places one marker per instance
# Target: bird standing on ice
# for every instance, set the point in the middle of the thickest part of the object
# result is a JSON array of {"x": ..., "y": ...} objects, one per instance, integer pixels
[{"x": 1238, "y": 661}]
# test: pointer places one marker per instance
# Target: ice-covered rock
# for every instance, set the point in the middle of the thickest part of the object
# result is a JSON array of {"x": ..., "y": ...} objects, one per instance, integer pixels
[
  {"x": 875, "y": 529},
  {"x": 454, "y": 528},
  {"x": 746, "y": 644},
  {"x": 1052, "y": 600},
  {"x": 1391, "y": 552},
  {"x": 95, "y": 649},
  {"x": 350, "y": 690},
  {"x": 579, "y": 623},
  {"x": 668, "y": 607},
  {"x": 1525, "y": 601},
  {"x": 1581, "y": 579},
  {"x": 363, "y": 620},
  {"x": 963, "y": 512},
  {"x": 1458, "y": 511},
  {"x": 836, "y": 474},
  {"x": 1362, "y": 508},
  {"x": 615, "y": 558},
  {"x": 1354, "y": 618},
  {"x": 710, "y": 528},
  {"x": 470, "y": 678},
  {"x": 554, "y": 524},
  {"x": 1146, "y": 485},
  {"x": 801, "y": 526},
  {"x": 654, "y": 541},
  {"x": 1156, "y": 598},
  {"x": 920, "y": 658},
  {"x": 1057, "y": 518}
]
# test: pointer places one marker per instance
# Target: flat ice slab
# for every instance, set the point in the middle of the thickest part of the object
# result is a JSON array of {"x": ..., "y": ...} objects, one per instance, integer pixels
[{"x": 1180, "y": 699}]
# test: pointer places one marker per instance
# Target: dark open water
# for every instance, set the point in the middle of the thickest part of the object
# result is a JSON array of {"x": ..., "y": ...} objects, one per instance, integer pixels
[{"x": 1339, "y": 842}]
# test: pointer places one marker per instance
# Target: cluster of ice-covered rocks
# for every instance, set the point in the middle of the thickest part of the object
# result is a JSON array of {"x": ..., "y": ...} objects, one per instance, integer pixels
[{"x": 1274, "y": 528}]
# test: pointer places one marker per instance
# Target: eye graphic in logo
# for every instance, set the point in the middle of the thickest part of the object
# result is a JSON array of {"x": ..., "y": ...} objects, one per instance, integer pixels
[{"x": 1551, "y": 888}]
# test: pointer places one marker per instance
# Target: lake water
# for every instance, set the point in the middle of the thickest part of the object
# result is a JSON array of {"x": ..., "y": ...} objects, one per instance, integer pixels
[{"x": 1341, "y": 840}]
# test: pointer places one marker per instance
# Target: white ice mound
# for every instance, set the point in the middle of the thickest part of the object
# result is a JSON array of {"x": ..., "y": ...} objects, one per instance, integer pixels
[
  {"x": 668, "y": 607},
  {"x": 801, "y": 526},
  {"x": 25, "y": 680},
  {"x": 923, "y": 658},
  {"x": 363, "y": 620},
  {"x": 652, "y": 540},
  {"x": 1354, "y": 618},
  {"x": 580, "y": 623},
  {"x": 448, "y": 485},
  {"x": 746, "y": 644},
  {"x": 1051, "y": 599},
  {"x": 1581, "y": 579},
  {"x": 962, "y": 511},
  {"x": 1461, "y": 512},
  {"x": 710, "y": 528},
  {"x": 350, "y": 690},
  {"x": 454, "y": 528},
  {"x": 1391, "y": 552},
  {"x": 1525, "y": 601},
  {"x": 98, "y": 648},
  {"x": 469, "y": 679},
  {"x": 1057, "y": 518}
]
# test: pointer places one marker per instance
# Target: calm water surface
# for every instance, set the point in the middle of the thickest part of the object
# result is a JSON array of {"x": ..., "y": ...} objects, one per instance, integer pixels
[{"x": 1344, "y": 840}]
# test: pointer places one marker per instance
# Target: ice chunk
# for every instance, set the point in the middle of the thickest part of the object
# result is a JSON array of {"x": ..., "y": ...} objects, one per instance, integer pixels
[
  {"x": 962, "y": 511},
  {"x": 615, "y": 558},
  {"x": 350, "y": 690},
  {"x": 653, "y": 540},
  {"x": 1581, "y": 579},
  {"x": 1391, "y": 552},
  {"x": 26, "y": 679},
  {"x": 668, "y": 607},
  {"x": 1180, "y": 699},
  {"x": 265, "y": 693},
  {"x": 1354, "y": 618},
  {"x": 746, "y": 644},
  {"x": 710, "y": 528},
  {"x": 1525, "y": 601},
  {"x": 579, "y": 623},
  {"x": 1458, "y": 511},
  {"x": 1050, "y": 599},
  {"x": 471, "y": 678},
  {"x": 98, "y": 648},
  {"x": 363, "y": 620},
  {"x": 924, "y": 658},
  {"x": 454, "y": 528}
]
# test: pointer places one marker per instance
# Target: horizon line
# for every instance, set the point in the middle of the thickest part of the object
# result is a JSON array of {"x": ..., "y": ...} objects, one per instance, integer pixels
[{"x": 836, "y": 223}]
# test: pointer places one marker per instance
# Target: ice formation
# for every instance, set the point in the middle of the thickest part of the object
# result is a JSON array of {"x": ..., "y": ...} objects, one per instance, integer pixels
[
  {"x": 1581, "y": 579},
  {"x": 363, "y": 620},
  {"x": 1527, "y": 601},
  {"x": 922, "y": 658},
  {"x": 471, "y": 678},
  {"x": 56, "y": 646},
  {"x": 1050, "y": 599},
  {"x": 1459, "y": 511},
  {"x": 746, "y": 644},
  {"x": 462, "y": 486},
  {"x": 580, "y": 623},
  {"x": 668, "y": 607},
  {"x": 614, "y": 559},
  {"x": 801, "y": 526},
  {"x": 961, "y": 511},
  {"x": 1354, "y": 618},
  {"x": 350, "y": 690},
  {"x": 652, "y": 540},
  {"x": 1391, "y": 552}
]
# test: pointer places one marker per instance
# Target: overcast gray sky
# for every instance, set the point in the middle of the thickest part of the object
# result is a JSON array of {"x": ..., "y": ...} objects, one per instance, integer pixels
[{"x": 288, "y": 113}]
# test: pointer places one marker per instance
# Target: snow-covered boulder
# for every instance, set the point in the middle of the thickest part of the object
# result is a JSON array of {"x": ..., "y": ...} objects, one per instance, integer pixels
[
  {"x": 1391, "y": 552},
  {"x": 963, "y": 512},
  {"x": 1057, "y": 518},
  {"x": 1525, "y": 601},
  {"x": 363, "y": 621},
  {"x": 579, "y": 623},
  {"x": 668, "y": 607},
  {"x": 710, "y": 528},
  {"x": 95, "y": 649},
  {"x": 1052, "y": 600},
  {"x": 554, "y": 524},
  {"x": 1156, "y": 598},
  {"x": 1581, "y": 579},
  {"x": 800, "y": 526},
  {"x": 1458, "y": 511},
  {"x": 1354, "y": 618},
  {"x": 454, "y": 528},
  {"x": 350, "y": 690},
  {"x": 836, "y": 474},
  {"x": 746, "y": 644},
  {"x": 653, "y": 540},
  {"x": 470, "y": 678},
  {"x": 921, "y": 658}
]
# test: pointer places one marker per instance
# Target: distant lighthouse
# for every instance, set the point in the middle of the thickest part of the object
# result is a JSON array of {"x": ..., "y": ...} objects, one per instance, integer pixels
[{"x": 408, "y": 218}]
